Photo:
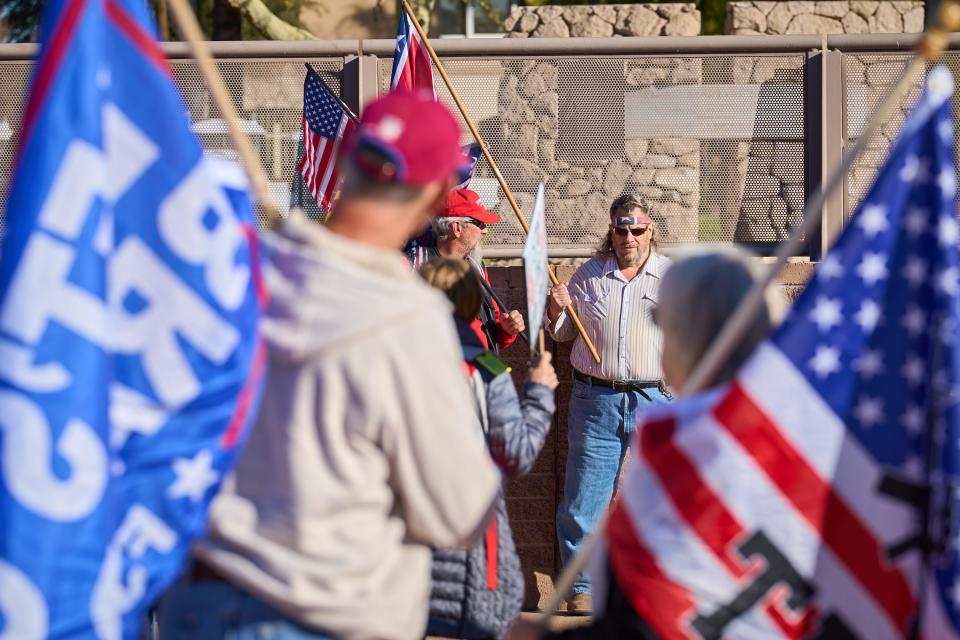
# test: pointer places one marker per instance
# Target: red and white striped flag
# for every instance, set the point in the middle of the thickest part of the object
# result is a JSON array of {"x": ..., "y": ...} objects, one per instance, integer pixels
[
  {"x": 411, "y": 62},
  {"x": 325, "y": 123}
]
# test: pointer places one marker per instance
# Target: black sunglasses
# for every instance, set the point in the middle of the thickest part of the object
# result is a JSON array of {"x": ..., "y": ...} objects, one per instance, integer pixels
[
  {"x": 478, "y": 224},
  {"x": 620, "y": 231}
]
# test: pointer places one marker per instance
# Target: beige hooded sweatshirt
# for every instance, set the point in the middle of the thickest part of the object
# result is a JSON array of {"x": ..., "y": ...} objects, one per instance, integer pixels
[{"x": 363, "y": 453}]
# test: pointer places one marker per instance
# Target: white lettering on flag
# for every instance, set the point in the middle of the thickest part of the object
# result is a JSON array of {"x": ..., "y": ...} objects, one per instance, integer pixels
[
  {"x": 116, "y": 591},
  {"x": 86, "y": 173},
  {"x": 183, "y": 225},
  {"x": 172, "y": 309},
  {"x": 27, "y": 455},
  {"x": 22, "y": 607},
  {"x": 17, "y": 367}
]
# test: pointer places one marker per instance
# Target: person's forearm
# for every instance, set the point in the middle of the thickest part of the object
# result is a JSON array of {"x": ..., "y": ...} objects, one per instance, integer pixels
[{"x": 561, "y": 328}]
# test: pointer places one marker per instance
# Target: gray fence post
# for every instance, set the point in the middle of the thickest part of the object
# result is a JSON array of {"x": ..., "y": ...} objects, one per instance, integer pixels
[
  {"x": 824, "y": 138},
  {"x": 360, "y": 82}
]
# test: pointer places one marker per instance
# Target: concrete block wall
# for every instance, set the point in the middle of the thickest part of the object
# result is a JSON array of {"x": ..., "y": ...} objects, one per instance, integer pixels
[{"x": 532, "y": 499}]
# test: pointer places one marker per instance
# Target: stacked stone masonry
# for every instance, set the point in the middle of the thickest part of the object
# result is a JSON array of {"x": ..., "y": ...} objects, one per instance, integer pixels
[
  {"x": 753, "y": 187},
  {"x": 868, "y": 79},
  {"x": 527, "y": 130},
  {"x": 602, "y": 21},
  {"x": 745, "y": 18}
]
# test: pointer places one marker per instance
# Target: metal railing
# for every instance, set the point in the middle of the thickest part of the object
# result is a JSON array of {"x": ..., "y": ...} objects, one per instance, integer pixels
[{"x": 724, "y": 135}]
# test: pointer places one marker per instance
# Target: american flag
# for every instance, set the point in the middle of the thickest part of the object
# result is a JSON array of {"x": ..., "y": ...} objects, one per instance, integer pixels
[
  {"x": 325, "y": 123},
  {"x": 797, "y": 500},
  {"x": 411, "y": 62}
]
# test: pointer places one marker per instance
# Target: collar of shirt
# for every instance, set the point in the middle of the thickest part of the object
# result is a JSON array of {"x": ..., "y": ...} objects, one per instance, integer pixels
[{"x": 655, "y": 266}]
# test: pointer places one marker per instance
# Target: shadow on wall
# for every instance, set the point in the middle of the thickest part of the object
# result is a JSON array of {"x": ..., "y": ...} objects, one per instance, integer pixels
[
  {"x": 763, "y": 170},
  {"x": 773, "y": 184}
]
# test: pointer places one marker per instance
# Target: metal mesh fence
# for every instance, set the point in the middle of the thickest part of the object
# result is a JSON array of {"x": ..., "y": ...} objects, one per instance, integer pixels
[
  {"x": 867, "y": 78},
  {"x": 714, "y": 142},
  {"x": 268, "y": 95},
  {"x": 14, "y": 77}
]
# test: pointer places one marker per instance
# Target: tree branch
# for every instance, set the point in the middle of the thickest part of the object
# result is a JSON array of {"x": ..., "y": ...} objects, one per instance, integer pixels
[{"x": 269, "y": 24}]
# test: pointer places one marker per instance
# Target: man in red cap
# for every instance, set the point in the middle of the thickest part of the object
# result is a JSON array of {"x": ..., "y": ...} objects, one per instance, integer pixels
[
  {"x": 360, "y": 459},
  {"x": 458, "y": 231}
]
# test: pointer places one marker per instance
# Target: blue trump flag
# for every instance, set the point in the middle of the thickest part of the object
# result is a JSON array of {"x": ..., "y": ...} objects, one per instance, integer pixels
[{"x": 130, "y": 361}]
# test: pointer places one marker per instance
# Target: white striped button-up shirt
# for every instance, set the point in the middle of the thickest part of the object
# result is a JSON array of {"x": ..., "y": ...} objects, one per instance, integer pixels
[{"x": 617, "y": 316}]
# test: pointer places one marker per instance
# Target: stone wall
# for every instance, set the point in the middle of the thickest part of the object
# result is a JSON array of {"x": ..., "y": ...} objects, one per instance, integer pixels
[
  {"x": 665, "y": 171},
  {"x": 824, "y": 17},
  {"x": 532, "y": 499},
  {"x": 561, "y": 121},
  {"x": 600, "y": 21},
  {"x": 869, "y": 78},
  {"x": 747, "y": 188}
]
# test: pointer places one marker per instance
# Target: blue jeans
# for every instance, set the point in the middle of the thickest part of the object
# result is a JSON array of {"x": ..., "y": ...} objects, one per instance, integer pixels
[
  {"x": 204, "y": 610},
  {"x": 598, "y": 435}
]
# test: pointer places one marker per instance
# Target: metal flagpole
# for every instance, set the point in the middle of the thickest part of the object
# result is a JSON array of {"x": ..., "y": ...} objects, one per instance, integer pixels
[
  {"x": 187, "y": 22},
  {"x": 931, "y": 47},
  {"x": 493, "y": 167}
]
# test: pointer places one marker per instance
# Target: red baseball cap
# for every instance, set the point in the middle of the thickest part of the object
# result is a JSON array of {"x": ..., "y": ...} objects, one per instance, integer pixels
[
  {"x": 464, "y": 203},
  {"x": 406, "y": 137}
]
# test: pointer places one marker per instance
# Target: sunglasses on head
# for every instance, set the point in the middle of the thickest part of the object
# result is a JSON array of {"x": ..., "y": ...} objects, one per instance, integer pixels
[
  {"x": 477, "y": 223},
  {"x": 636, "y": 233}
]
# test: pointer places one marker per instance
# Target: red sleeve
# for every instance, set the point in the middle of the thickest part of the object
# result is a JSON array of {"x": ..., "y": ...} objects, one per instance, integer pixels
[
  {"x": 504, "y": 339},
  {"x": 477, "y": 327}
]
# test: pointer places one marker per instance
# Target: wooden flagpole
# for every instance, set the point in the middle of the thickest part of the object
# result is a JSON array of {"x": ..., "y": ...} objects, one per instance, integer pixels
[
  {"x": 932, "y": 45},
  {"x": 493, "y": 167},
  {"x": 190, "y": 30}
]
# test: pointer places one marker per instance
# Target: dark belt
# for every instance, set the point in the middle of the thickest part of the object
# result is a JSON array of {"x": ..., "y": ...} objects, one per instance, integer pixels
[{"x": 618, "y": 385}]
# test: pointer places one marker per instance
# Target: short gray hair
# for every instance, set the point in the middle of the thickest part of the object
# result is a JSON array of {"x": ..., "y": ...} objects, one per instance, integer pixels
[
  {"x": 698, "y": 294},
  {"x": 442, "y": 226}
]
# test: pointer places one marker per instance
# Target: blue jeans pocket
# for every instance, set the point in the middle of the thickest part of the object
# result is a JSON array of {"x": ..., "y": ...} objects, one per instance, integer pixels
[{"x": 581, "y": 390}]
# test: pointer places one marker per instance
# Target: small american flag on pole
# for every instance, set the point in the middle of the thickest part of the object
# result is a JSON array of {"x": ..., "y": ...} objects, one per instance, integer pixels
[
  {"x": 325, "y": 122},
  {"x": 815, "y": 495},
  {"x": 411, "y": 62}
]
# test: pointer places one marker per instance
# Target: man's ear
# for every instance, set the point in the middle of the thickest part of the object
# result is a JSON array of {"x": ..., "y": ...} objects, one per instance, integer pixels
[{"x": 435, "y": 194}]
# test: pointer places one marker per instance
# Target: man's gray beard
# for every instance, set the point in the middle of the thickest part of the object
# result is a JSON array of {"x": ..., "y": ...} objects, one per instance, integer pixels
[
  {"x": 476, "y": 255},
  {"x": 633, "y": 260}
]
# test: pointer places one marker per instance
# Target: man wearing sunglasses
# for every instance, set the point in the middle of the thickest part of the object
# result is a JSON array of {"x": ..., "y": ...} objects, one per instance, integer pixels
[
  {"x": 459, "y": 230},
  {"x": 614, "y": 293}
]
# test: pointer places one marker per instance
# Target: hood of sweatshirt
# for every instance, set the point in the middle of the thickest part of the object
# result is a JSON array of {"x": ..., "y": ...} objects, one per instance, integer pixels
[{"x": 327, "y": 291}]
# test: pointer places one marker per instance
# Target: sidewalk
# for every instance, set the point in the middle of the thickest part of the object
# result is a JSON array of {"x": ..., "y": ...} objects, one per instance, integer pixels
[{"x": 560, "y": 621}]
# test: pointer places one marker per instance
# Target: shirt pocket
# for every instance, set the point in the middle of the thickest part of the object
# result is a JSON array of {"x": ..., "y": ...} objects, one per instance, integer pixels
[
  {"x": 648, "y": 303},
  {"x": 595, "y": 306}
]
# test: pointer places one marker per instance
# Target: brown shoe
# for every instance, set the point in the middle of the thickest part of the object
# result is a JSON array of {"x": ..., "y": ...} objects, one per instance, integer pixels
[{"x": 581, "y": 604}]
